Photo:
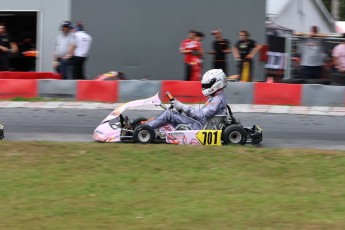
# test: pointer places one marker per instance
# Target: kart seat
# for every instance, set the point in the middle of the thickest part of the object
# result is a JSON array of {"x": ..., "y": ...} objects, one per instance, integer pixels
[{"x": 215, "y": 122}]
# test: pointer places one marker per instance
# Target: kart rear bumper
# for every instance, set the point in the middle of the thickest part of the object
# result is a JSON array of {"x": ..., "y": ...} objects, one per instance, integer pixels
[{"x": 254, "y": 134}]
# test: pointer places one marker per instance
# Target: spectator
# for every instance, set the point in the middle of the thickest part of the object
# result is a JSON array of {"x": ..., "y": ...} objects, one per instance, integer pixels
[
  {"x": 63, "y": 42},
  {"x": 312, "y": 51},
  {"x": 186, "y": 48},
  {"x": 7, "y": 47},
  {"x": 338, "y": 55},
  {"x": 79, "y": 51},
  {"x": 197, "y": 59},
  {"x": 221, "y": 47},
  {"x": 26, "y": 61},
  {"x": 244, "y": 52}
]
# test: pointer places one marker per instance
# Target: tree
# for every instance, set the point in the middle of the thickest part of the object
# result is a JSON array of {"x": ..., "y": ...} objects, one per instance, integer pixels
[{"x": 328, "y": 4}]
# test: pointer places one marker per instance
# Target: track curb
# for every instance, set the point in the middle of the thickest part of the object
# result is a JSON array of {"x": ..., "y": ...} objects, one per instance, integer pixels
[{"x": 236, "y": 108}]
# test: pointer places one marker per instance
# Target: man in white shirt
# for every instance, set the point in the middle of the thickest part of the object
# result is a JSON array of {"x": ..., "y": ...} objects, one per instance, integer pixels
[
  {"x": 62, "y": 44},
  {"x": 79, "y": 51}
]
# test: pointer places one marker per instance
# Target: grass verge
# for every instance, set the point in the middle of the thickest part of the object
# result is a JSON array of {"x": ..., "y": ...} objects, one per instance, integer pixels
[{"x": 125, "y": 186}]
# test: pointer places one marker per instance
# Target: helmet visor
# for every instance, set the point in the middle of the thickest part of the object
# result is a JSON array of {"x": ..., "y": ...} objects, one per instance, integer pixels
[{"x": 208, "y": 85}]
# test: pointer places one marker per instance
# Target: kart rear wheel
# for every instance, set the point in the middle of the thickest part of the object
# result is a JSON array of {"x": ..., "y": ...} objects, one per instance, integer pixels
[
  {"x": 137, "y": 122},
  {"x": 144, "y": 134},
  {"x": 234, "y": 134}
]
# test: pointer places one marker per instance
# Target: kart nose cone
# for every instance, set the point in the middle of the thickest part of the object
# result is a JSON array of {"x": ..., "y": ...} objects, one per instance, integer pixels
[
  {"x": 97, "y": 135},
  {"x": 105, "y": 133}
]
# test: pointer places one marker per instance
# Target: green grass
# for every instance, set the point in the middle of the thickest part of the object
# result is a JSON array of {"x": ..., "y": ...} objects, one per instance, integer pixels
[{"x": 124, "y": 186}]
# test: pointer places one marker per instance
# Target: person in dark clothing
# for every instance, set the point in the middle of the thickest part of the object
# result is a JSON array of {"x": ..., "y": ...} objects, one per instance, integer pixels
[
  {"x": 7, "y": 46},
  {"x": 244, "y": 52},
  {"x": 221, "y": 47}
]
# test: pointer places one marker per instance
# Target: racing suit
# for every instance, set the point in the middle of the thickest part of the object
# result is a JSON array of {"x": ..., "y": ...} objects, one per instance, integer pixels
[
  {"x": 196, "y": 119},
  {"x": 196, "y": 63}
]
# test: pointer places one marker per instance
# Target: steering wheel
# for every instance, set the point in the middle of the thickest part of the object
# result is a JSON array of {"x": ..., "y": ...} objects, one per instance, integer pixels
[{"x": 171, "y": 98}]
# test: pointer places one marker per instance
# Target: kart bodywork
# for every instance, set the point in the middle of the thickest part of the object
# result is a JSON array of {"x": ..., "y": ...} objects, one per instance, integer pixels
[{"x": 220, "y": 129}]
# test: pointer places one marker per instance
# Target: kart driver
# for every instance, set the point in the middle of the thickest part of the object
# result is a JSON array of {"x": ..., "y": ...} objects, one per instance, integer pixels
[{"x": 213, "y": 83}]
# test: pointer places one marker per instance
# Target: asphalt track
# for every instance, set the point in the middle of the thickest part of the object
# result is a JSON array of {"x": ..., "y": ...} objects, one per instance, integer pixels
[{"x": 77, "y": 125}]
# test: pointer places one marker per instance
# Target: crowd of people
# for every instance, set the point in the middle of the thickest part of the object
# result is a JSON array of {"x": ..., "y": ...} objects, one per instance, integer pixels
[
  {"x": 16, "y": 54},
  {"x": 243, "y": 51},
  {"x": 313, "y": 57},
  {"x": 72, "y": 49},
  {"x": 73, "y": 43}
]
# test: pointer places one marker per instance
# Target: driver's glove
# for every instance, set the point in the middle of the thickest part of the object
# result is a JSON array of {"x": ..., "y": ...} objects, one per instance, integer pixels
[{"x": 179, "y": 106}]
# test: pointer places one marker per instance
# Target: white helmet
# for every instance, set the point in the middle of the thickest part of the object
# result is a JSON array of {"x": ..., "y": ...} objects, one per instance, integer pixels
[{"x": 212, "y": 81}]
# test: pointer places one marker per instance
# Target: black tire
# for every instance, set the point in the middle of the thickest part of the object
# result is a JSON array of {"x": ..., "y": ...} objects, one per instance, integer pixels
[
  {"x": 144, "y": 134},
  {"x": 1, "y": 132},
  {"x": 137, "y": 122},
  {"x": 234, "y": 134}
]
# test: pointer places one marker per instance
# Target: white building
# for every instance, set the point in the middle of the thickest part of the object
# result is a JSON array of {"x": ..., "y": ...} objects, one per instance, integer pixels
[{"x": 300, "y": 15}]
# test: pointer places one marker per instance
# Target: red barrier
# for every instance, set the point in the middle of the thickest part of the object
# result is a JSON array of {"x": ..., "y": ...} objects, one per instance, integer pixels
[
  {"x": 29, "y": 75},
  {"x": 103, "y": 91},
  {"x": 12, "y": 88},
  {"x": 184, "y": 91},
  {"x": 277, "y": 94}
]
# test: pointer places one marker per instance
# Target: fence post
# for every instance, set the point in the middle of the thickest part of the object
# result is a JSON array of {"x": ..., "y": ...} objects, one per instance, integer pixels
[{"x": 288, "y": 43}]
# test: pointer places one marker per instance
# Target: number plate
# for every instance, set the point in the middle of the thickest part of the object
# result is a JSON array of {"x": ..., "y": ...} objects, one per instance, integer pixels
[{"x": 210, "y": 137}]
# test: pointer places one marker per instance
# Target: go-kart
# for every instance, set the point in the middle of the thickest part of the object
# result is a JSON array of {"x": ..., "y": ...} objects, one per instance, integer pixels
[
  {"x": 220, "y": 129},
  {"x": 1, "y": 131}
]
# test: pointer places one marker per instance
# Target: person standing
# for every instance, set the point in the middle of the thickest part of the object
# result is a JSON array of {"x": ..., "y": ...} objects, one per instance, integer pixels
[
  {"x": 79, "y": 51},
  {"x": 7, "y": 46},
  {"x": 338, "y": 56},
  {"x": 244, "y": 51},
  {"x": 197, "y": 59},
  {"x": 221, "y": 47},
  {"x": 312, "y": 51},
  {"x": 63, "y": 42},
  {"x": 186, "y": 48}
]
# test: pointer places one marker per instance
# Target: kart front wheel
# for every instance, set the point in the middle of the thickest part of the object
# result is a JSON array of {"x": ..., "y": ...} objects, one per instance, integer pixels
[
  {"x": 144, "y": 134},
  {"x": 234, "y": 134}
]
